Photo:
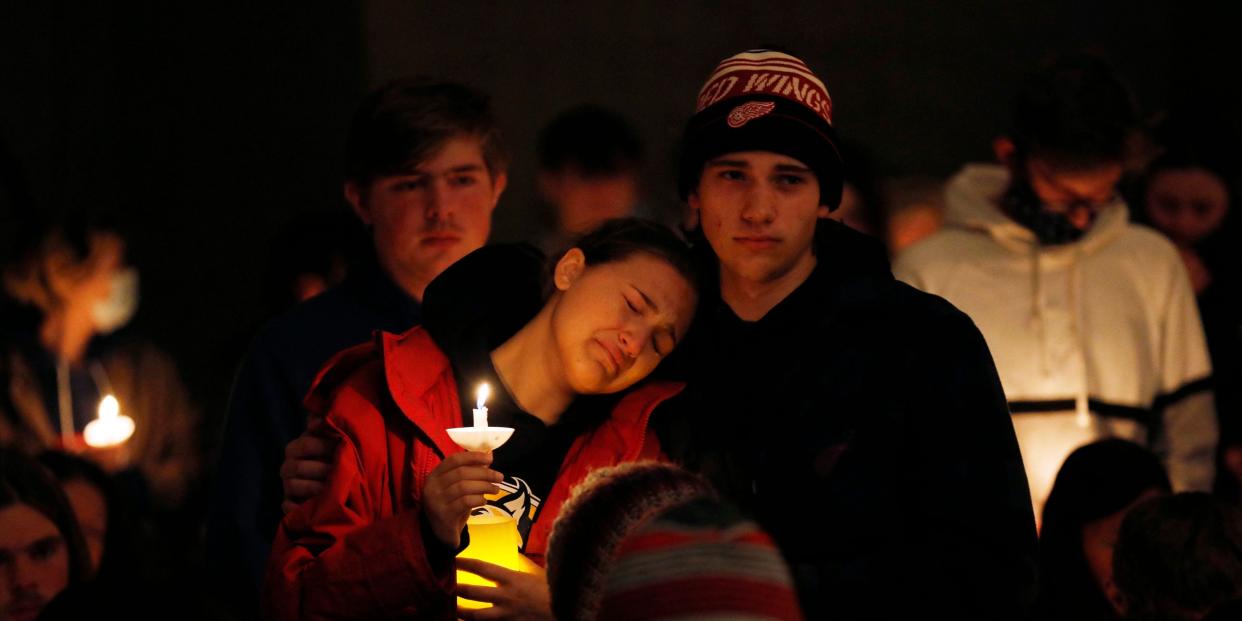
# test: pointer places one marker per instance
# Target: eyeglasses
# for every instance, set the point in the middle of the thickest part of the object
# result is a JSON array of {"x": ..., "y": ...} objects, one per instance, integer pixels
[
  {"x": 1072, "y": 197},
  {"x": 1076, "y": 203}
]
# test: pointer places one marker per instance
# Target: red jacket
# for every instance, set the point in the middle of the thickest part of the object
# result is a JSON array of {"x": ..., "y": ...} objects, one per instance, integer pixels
[{"x": 357, "y": 549}]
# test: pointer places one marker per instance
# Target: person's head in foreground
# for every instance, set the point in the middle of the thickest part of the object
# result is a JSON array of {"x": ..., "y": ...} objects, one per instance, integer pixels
[
  {"x": 1179, "y": 558},
  {"x": 41, "y": 550},
  {"x": 1096, "y": 486},
  {"x": 644, "y": 541}
]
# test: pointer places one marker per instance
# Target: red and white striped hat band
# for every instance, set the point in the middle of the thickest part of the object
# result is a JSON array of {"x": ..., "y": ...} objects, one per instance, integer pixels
[{"x": 765, "y": 72}]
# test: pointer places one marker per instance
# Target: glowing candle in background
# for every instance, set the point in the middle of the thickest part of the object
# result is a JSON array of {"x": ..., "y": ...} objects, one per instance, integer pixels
[
  {"x": 480, "y": 410},
  {"x": 111, "y": 428}
]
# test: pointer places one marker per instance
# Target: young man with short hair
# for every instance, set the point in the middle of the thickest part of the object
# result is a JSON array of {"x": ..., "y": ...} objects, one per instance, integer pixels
[
  {"x": 425, "y": 166},
  {"x": 1091, "y": 318}
]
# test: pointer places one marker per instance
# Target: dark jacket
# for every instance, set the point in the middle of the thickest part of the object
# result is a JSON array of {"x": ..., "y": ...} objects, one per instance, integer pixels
[
  {"x": 265, "y": 414},
  {"x": 863, "y": 424}
]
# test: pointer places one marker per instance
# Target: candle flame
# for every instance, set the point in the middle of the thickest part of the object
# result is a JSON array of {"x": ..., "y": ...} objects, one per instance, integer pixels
[
  {"x": 108, "y": 407},
  {"x": 484, "y": 391},
  {"x": 110, "y": 429}
]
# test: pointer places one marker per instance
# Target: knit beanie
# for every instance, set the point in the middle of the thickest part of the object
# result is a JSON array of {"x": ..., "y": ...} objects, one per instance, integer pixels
[
  {"x": 648, "y": 541},
  {"x": 764, "y": 100}
]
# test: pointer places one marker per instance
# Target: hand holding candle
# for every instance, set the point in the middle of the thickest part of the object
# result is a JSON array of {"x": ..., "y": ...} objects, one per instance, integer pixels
[{"x": 453, "y": 489}]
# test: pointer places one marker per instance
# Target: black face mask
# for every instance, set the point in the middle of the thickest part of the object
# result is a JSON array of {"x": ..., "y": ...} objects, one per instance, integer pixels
[{"x": 1024, "y": 206}]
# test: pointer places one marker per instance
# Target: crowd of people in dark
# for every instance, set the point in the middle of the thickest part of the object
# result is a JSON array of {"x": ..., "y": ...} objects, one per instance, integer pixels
[{"x": 815, "y": 393}]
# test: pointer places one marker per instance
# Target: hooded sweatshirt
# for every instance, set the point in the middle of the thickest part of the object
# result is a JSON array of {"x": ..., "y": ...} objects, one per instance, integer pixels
[
  {"x": 1092, "y": 339},
  {"x": 861, "y": 423}
]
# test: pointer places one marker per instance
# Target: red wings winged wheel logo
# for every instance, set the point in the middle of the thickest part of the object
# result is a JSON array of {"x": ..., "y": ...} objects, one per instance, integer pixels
[{"x": 749, "y": 111}]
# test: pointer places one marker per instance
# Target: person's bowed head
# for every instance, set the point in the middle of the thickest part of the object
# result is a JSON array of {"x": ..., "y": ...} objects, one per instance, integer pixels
[
  {"x": 1179, "y": 558},
  {"x": 1096, "y": 486},
  {"x": 647, "y": 540}
]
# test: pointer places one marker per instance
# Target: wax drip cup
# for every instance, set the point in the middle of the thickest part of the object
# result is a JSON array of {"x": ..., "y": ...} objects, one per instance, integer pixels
[{"x": 480, "y": 439}]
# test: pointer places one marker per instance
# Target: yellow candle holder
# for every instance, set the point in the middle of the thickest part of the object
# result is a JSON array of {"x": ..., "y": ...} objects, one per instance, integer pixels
[{"x": 493, "y": 538}]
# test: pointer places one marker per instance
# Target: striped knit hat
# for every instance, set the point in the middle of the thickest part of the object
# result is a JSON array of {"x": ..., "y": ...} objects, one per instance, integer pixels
[
  {"x": 764, "y": 100},
  {"x": 650, "y": 541}
]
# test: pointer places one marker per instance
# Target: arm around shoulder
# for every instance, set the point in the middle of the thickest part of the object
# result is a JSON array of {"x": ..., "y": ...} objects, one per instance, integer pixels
[{"x": 343, "y": 554}]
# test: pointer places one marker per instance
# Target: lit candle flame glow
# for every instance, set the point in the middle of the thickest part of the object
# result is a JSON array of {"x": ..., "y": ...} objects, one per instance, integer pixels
[
  {"x": 484, "y": 391},
  {"x": 110, "y": 429},
  {"x": 480, "y": 412},
  {"x": 108, "y": 407}
]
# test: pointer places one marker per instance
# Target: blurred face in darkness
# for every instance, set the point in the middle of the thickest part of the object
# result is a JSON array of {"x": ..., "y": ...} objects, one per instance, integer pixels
[
  {"x": 34, "y": 562},
  {"x": 852, "y": 211},
  {"x": 1099, "y": 537},
  {"x": 76, "y": 284},
  {"x": 424, "y": 221},
  {"x": 1187, "y": 204},
  {"x": 584, "y": 201},
  {"x": 91, "y": 509}
]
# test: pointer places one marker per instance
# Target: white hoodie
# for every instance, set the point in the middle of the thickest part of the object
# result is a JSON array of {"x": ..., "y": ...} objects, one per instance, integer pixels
[{"x": 1087, "y": 337}]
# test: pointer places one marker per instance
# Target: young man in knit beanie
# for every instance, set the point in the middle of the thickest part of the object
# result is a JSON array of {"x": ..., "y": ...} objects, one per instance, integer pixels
[
  {"x": 858, "y": 420},
  {"x": 644, "y": 541}
]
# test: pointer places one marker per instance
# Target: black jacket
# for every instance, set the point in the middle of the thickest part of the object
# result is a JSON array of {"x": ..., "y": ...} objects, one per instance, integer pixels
[
  {"x": 862, "y": 423},
  {"x": 265, "y": 414}
]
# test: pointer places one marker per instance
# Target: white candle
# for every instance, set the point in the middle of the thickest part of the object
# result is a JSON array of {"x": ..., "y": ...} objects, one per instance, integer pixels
[
  {"x": 480, "y": 410},
  {"x": 110, "y": 429}
]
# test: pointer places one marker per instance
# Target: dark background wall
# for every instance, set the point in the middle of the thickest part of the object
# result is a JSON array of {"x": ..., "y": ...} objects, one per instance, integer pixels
[
  {"x": 212, "y": 126},
  {"x": 924, "y": 85}
]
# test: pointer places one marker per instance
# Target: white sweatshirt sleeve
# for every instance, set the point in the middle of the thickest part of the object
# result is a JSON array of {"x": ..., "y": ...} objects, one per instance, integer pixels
[{"x": 1186, "y": 404}]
